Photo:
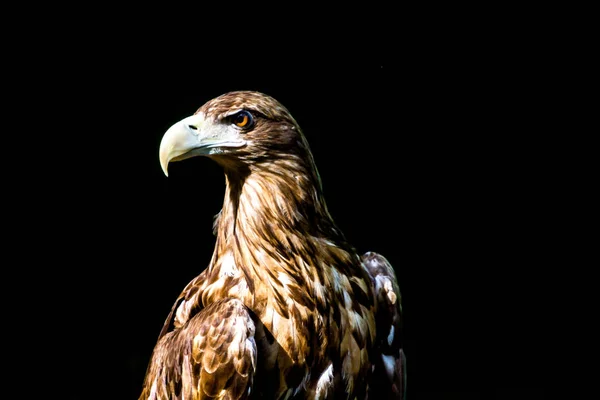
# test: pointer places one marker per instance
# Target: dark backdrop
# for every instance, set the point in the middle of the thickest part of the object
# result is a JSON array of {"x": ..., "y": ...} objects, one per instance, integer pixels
[{"x": 423, "y": 158}]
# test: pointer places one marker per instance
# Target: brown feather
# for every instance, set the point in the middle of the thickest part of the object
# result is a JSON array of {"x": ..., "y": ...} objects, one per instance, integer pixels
[
  {"x": 282, "y": 278},
  {"x": 205, "y": 363}
]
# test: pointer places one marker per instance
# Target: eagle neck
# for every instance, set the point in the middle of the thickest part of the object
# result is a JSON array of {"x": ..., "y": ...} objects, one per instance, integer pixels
[
  {"x": 277, "y": 197},
  {"x": 272, "y": 221}
]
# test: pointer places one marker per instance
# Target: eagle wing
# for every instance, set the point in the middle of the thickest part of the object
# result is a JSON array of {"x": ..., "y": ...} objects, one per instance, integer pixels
[
  {"x": 390, "y": 365},
  {"x": 213, "y": 356}
]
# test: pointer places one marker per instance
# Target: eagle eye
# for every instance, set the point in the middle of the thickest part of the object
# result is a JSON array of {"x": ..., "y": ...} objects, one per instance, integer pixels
[{"x": 243, "y": 119}]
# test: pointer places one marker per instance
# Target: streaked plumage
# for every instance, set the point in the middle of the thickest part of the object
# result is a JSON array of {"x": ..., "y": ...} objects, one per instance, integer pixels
[{"x": 286, "y": 308}]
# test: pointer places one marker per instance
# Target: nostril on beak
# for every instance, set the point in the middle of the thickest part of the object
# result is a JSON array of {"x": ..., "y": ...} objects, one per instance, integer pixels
[{"x": 192, "y": 127}]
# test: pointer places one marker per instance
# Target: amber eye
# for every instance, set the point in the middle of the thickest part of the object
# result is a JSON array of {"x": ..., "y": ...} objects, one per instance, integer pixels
[{"x": 243, "y": 119}]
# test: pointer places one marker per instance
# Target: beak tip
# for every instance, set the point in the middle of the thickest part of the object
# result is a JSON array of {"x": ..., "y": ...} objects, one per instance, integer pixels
[
  {"x": 165, "y": 169},
  {"x": 164, "y": 160}
]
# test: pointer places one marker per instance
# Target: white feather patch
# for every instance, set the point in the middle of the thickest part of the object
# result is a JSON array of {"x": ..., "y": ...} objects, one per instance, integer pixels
[
  {"x": 390, "y": 291},
  {"x": 228, "y": 266},
  {"x": 389, "y": 363},
  {"x": 347, "y": 300},
  {"x": 152, "y": 395},
  {"x": 319, "y": 291},
  {"x": 324, "y": 383},
  {"x": 391, "y": 335},
  {"x": 284, "y": 279}
]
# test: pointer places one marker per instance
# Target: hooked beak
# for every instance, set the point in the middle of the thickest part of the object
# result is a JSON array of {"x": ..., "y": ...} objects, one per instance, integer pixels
[{"x": 196, "y": 136}]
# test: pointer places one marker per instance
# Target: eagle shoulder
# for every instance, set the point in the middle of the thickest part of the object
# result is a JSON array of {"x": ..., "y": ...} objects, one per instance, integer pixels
[{"x": 213, "y": 356}]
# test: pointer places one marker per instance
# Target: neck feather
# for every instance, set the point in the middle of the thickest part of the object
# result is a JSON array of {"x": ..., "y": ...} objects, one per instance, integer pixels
[{"x": 274, "y": 222}]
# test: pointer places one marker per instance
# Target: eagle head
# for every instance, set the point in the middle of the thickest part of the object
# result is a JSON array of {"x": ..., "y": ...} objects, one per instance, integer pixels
[{"x": 241, "y": 127}]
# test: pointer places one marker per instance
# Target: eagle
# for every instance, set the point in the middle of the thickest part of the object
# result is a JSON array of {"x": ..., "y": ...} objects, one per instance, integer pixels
[{"x": 286, "y": 308}]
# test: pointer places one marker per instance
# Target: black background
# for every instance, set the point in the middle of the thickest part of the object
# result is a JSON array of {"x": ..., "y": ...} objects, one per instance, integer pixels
[{"x": 423, "y": 150}]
